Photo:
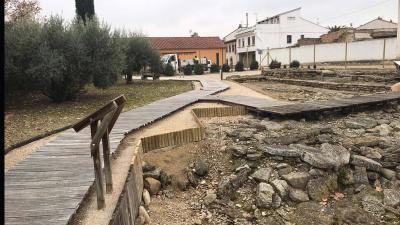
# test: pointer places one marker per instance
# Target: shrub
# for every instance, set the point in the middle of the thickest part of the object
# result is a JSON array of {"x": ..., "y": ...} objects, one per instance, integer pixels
[
  {"x": 187, "y": 70},
  {"x": 169, "y": 70},
  {"x": 198, "y": 69},
  {"x": 62, "y": 63},
  {"x": 214, "y": 68},
  {"x": 104, "y": 51},
  {"x": 254, "y": 65},
  {"x": 239, "y": 66},
  {"x": 226, "y": 68},
  {"x": 21, "y": 45},
  {"x": 275, "y": 64},
  {"x": 295, "y": 64}
]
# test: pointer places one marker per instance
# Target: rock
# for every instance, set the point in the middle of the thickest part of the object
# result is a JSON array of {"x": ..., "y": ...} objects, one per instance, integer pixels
[
  {"x": 358, "y": 123},
  {"x": 225, "y": 188},
  {"x": 271, "y": 125},
  {"x": 241, "y": 175},
  {"x": 210, "y": 197},
  {"x": 316, "y": 173},
  {"x": 297, "y": 179},
  {"x": 345, "y": 176},
  {"x": 370, "y": 153},
  {"x": 373, "y": 205},
  {"x": 391, "y": 197},
  {"x": 363, "y": 161},
  {"x": 283, "y": 169},
  {"x": 147, "y": 167},
  {"x": 238, "y": 151},
  {"x": 367, "y": 141},
  {"x": 164, "y": 179},
  {"x": 229, "y": 184},
  {"x": 298, "y": 195},
  {"x": 192, "y": 179},
  {"x": 281, "y": 187},
  {"x": 280, "y": 150},
  {"x": 152, "y": 185},
  {"x": 360, "y": 188},
  {"x": 395, "y": 125},
  {"x": 146, "y": 197},
  {"x": 254, "y": 156},
  {"x": 262, "y": 175},
  {"x": 264, "y": 196},
  {"x": 276, "y": 201},
  {"x": 388, "y": 174},
  {"x": 373, "y": 175},
  {"x": 144, "y": 216},
  {"x": 383, "y": 130},
  {"x": 245, "y": 135},
  {"x": 201, "y": 168},
  {"x": 329, "y": 157},
  {"x": 153, "y": 173},
  {"x": 360, "y": 175},
  {"x": 391, "y": 157},
  {"x": 322, "y": 187},
  {"x": 325, "y": 138}
]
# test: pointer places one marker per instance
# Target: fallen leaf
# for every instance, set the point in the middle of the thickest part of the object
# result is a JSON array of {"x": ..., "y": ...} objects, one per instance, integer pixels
[{"x": 378, "y": 189}]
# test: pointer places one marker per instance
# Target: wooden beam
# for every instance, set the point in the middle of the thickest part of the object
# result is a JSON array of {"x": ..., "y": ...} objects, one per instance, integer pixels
[
  {"x": 120, "y": 100},
  {"x": 97, "y": 169},
  {"x": 102, "y": 129},
  {"x": 107, "y": 163}
]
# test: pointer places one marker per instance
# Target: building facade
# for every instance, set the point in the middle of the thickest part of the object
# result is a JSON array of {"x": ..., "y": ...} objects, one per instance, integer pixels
[
  {"x": 279, "y": 31},
  {"x": 187, "y": 48},
  {"x": 231, "y": 48}
]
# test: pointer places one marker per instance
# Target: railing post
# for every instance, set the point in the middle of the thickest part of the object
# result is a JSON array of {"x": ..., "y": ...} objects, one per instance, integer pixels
[
  {"x": 107, "y": 164},
  {"x": 97, "y": 169}
]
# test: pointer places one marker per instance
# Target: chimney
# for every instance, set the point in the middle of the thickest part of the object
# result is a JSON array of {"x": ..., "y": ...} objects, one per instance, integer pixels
[{"x": 247, "y": 20}]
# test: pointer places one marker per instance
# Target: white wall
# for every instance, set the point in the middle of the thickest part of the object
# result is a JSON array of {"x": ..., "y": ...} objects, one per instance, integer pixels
[{"x": 335, "y": 52}]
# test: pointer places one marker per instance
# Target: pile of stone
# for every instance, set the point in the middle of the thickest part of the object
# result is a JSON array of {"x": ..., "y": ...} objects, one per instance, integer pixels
[{"x": 317, "y": 164}]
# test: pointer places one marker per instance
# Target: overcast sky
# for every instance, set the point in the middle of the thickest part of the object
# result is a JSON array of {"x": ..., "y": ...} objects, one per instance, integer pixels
[{"x": 220, "y": 17}]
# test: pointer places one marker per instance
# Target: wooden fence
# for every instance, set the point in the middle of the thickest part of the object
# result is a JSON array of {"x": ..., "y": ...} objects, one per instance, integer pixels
[
  {"x": 173, "y": 138},
  {"x": 191, "y": 134},
  {"x": 127, "y": 208},
  {"x": 220, "y": 111}
]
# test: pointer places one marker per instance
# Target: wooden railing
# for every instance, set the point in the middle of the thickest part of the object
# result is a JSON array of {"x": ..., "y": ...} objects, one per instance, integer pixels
[{"x": 101, "y": 123}]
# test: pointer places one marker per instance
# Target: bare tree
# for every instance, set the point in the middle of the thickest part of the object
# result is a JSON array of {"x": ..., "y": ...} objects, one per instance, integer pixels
[{"x": 17, "y": 9}]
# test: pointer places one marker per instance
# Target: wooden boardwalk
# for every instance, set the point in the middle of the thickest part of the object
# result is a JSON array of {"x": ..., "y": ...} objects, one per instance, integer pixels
[
  {"x": 48, "y": 186},
  {"x": 249, "y": 102},
  {"x": 315, "y": 109}
]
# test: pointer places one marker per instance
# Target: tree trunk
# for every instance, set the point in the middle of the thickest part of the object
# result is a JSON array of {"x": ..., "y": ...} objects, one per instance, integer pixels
[{"x": 129, "y": 78}]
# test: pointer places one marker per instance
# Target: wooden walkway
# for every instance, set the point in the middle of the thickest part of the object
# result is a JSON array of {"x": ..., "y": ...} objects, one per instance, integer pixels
[
  {"x": 48, "y": 186},
  {"x": 319, "y": 108},
  {"x": 249, "y": 102}
]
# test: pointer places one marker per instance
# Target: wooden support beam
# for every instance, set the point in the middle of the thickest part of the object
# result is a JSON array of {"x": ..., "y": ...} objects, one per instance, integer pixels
[
  {"x": 107, "y": 164},
  {"x": 97, "y": 169}
]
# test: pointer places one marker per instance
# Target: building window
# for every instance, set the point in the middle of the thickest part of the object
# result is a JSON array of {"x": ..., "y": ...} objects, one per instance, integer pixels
[
  {"x": 248, "y": 41},
  {"x": 302, "y": 36},
  {"x": 239, "y": 43},
  {"x": 229, "y": 48},
  {"x": 242, "y": 42},
  {"x": 254, "y": 40},
  {"x": 234, "y": 48},
  {"x": 289, "y": 39}
]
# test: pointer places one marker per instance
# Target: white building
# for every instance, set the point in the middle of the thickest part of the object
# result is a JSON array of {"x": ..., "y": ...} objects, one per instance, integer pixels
[
  {"x": 230, "y": 47},
  {"x": 279, "y": 31}
]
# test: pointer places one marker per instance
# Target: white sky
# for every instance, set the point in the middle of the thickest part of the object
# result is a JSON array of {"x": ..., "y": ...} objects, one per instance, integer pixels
[{"x": 220, "y": 17}]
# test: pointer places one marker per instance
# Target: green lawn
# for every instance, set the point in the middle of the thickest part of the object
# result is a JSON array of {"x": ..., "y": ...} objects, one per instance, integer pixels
[{"x": 35, "y": 114}]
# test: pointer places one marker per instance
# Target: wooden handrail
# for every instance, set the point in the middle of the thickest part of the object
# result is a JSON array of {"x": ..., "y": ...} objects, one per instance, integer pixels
[
  {"x": 102, "y": 129},
  {"x": 120, "y": 101},
  {"x": 107, "y": 116}
]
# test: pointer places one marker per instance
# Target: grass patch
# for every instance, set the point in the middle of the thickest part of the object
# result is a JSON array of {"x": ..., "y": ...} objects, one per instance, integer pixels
[{"x": 35, "y": 114}]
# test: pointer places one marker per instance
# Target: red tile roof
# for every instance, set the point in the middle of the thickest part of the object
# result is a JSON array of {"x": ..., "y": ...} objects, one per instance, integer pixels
[{"x": 164, "y": 43}]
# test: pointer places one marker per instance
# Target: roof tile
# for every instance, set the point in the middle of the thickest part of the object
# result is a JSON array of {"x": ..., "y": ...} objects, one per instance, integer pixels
[{"x": 163, "y": 43}]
